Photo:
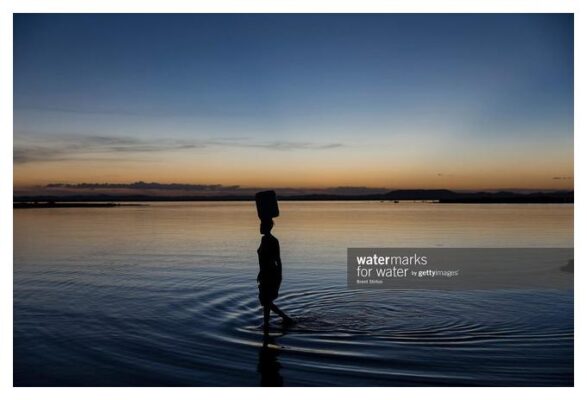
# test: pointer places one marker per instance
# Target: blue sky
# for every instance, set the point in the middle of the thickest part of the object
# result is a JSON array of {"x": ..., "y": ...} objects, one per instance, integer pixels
[{"x": 384, "y": 100}]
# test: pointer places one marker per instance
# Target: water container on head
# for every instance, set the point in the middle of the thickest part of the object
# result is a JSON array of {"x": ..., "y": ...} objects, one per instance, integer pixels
[{"x": 267, "y": 207}]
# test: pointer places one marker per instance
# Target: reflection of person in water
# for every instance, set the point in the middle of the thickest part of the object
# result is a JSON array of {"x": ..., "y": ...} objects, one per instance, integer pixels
[
  {"x": 268, "y": 365},
  {"x": 269, "y": 277}
]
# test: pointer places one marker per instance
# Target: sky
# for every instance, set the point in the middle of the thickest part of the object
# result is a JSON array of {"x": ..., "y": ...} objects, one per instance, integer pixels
[{"x": 461, "y": 102}]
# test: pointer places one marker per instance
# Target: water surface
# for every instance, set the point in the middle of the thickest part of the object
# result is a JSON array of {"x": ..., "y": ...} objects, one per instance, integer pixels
[{"x": 166, "y": 295}]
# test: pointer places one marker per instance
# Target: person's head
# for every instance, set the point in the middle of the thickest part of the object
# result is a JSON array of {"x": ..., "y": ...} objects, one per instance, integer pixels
[{"x": 266, "y": 226}]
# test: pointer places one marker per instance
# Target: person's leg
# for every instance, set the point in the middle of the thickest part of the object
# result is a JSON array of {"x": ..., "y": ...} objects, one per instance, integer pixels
[
  {"x": 281, "y": 313},
  {"x": 266, "y": 311}
]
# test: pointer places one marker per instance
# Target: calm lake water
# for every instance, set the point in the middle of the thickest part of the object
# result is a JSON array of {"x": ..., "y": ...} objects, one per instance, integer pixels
[{"x": 166, "y": 295}]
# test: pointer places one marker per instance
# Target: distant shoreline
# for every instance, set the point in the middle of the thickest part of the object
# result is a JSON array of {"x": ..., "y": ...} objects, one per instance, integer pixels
[
  {"x": 52, "y": 204},
  {"x": 436, "y": 196}
]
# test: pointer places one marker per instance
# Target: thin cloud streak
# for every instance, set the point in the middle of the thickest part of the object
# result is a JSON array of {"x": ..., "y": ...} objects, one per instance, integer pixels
[
  {"x": 100, "y": 147},
  {"x": 143, "y": 186}
]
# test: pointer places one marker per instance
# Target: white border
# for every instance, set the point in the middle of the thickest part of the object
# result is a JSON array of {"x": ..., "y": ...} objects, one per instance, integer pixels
[
  {"x": 250, "y": 6},
  {"x": 7, "y": 7}
]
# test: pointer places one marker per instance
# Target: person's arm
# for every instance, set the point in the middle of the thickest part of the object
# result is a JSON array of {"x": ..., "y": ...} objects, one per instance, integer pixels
[
  {"x": 263, "y": 244},
  {"x": 278, "y": 257}
]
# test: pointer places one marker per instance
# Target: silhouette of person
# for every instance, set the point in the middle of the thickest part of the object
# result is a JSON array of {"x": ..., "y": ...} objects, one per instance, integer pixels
[
  {"x": 269, "y": 278},
  {"x": 268, "y": 365}
]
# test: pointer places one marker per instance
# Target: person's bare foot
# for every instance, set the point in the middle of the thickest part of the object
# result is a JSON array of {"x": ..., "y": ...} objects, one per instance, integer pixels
[{"x": 288, "y": 321}]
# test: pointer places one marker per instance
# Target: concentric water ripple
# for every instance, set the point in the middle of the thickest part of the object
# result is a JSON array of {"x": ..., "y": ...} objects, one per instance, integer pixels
[{"x": 198, "y": 331}]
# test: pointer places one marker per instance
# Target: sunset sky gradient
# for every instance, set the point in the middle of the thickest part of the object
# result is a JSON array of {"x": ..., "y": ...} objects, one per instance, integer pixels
[{"x": 395, "y": 101}]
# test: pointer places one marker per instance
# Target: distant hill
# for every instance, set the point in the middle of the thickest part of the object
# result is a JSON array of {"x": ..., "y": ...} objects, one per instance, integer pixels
[
  {"x": 447, "y": 196},
  {"x": 421, "y": 194}
]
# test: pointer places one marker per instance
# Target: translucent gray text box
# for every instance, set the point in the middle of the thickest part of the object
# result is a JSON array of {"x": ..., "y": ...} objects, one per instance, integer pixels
[{"x": 460, "y": 268}]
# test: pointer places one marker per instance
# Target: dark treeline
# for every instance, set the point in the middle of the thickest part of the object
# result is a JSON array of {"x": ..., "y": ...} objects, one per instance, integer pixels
[{"x": 441, "y": 196}]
